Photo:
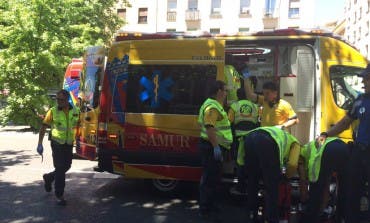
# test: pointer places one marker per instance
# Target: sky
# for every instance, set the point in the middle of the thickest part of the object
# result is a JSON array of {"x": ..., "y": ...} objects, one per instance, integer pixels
[{"x": 328, "y": 10}]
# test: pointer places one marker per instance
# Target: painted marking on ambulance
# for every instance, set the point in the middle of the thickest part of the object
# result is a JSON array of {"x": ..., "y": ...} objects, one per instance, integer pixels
[{"x": 155, "y": 89}]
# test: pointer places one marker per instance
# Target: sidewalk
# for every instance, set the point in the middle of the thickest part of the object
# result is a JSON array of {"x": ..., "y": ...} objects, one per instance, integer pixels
[{"x": 16, "y": 128}]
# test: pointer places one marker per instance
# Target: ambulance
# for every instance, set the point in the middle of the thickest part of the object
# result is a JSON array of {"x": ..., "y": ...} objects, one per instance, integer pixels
[
  {"x": 93, "y": 66},
  {"x": 71, "y": 81},
  {"x": 153, "y": 85}
]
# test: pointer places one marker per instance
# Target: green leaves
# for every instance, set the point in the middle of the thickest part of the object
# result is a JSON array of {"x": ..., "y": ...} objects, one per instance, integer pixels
[{"x": 38, "y": 38}]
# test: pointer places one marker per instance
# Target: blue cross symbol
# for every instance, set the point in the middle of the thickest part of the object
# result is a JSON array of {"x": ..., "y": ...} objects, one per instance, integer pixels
[{"x": 156, "y": 89}]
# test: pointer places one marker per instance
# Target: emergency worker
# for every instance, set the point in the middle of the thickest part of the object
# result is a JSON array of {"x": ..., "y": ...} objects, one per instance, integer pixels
[
  {"x": 320, "y": 159},
  {"x": 275, "y": 111},
  {"x": 243, "y": 115},
  {"x": 215, "y": 136},
  {"x": 232, "y": 70},
  {"x": 63, "y": 120},
  {"x": 359, "y": 165},
  {"x": 272, "y": 153}
]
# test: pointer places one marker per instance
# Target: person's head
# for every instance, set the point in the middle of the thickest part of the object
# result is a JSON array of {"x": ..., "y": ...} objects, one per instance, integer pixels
[
  {"x": 62, "y": 99},
  {"x": 366, "y": 78},
  {"x": 270, "y": 92},
  {"x": 218, "y": 91}
]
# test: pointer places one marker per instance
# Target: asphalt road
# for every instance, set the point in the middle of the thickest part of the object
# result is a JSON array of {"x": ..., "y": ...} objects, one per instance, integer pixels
[{"x": 91, "y": 197}]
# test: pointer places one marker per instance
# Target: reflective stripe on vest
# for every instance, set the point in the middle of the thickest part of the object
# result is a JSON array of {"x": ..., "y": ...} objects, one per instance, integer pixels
[
  {"x": 314, "y": 159},
  {"x": 244, "y": 110},
  {"x": 62, "y": 127},
  {"x": 223, "y": 129}
]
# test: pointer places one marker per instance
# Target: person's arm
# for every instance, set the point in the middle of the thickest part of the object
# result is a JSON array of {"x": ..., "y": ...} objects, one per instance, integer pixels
[
  {"x": 210, "y": 118},
  {"x": 290, "y": 122},
  {"x": 303, "y": 179},
  {"x": 231, "y": 115},
  {"x": 211, "y": 133},
  {"x": 290, "y": 113},
  {"x": 339, "y": 127},
  {"x": 42, "y": 133},
  {"x": 292, "y": 163},
  {"x": 45, "y": 124},
  {"x": 249, "y": 90}
]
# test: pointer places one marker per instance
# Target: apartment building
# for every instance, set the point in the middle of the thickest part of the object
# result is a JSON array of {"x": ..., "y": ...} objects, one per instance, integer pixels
[
  {"x": 215, "y": 16},
  {"x": 357, "y": 27}
]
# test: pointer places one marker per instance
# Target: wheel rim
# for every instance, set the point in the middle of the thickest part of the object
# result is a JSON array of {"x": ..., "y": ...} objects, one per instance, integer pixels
[{"x": 165, "y": 185}]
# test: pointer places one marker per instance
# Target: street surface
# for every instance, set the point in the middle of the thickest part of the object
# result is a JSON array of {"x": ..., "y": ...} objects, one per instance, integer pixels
[{"x": 91, "y": 197}]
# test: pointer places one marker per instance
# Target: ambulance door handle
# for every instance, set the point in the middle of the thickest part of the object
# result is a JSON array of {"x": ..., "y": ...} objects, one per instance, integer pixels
[{"x": 87, "y": 118}]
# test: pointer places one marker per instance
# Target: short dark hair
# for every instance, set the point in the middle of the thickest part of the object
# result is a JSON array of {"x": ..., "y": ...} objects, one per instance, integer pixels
[
  {"x": 269, "y": 85},
  {"x": 215, "y": 86},
  {"x": 63, "y": 92},
  {"x": 366, "y": 72}
]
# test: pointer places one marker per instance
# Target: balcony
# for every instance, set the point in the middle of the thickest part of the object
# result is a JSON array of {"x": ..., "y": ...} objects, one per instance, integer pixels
[
  {"x": 192, "y": 15},
  {"x": 270, "y": 19},
  {"x": 245, "y": 12},
  {"x": 171, "y": 16},
  {"x": 270, "y": 23}
]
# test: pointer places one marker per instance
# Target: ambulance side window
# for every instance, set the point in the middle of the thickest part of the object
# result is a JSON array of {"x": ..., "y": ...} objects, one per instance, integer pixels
[
  {"x": 345, "y": 84},
  {"x": 168, "y": 89}
]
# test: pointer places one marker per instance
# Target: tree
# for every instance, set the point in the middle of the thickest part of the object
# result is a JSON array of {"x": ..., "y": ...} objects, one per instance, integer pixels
[{"x": 38, "y": 38}]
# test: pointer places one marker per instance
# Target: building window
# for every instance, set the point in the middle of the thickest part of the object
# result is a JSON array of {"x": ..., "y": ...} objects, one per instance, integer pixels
[
  {"x": 243, "y": 30},
  {"x": 121, "y": 13},
  {"x": 245, "y": 6},
  {"x": 293, "y": 13},
  {"x": 143, "y": 16},
  {"x": 214, "y": 30},
  {"x": 171, "y": 5},
  {"x": 170, "y": 30},
  {"x": 270, "y": 7},
  {"x": 193, "y": 5},
  {"x": 190, "y": 29},
  {"x": 171, "y": 10},
  {"x": 216, "y": 7}
]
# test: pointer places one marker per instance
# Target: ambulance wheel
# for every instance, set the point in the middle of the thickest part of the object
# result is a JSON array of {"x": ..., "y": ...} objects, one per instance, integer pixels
[{"x": 165, "y": 186}]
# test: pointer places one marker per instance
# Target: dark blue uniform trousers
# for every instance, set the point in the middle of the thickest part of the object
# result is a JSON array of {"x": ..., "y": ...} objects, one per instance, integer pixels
[
  {"x": 62, "y": 160},
  {"x": 334, "y": 159},
  {"x": 359, "y": 173},
  {"x": 211, "y": 177},
  {"x": 262, "y": 158}
]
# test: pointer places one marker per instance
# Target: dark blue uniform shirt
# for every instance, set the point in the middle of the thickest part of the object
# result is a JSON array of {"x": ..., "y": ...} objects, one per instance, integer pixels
[{"x": 361, "y": 111}]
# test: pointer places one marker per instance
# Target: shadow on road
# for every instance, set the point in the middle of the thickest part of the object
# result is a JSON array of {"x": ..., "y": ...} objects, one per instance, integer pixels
[
  {"x": 10, "y": 158},
  {"x": 105, "y": 200}
]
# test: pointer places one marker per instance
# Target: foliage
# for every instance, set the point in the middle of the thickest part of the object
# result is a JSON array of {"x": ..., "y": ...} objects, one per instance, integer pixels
[{"x": 38, "y": 38}]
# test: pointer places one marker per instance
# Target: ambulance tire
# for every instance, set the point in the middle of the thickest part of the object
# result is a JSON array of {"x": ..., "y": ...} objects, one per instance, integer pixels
[{"x": 165, "y": 186}]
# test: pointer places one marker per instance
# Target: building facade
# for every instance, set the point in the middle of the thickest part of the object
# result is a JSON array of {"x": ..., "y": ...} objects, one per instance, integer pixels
[
  {"x": 215, "y": 16},
  {"x": 357, "y": 27}
]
